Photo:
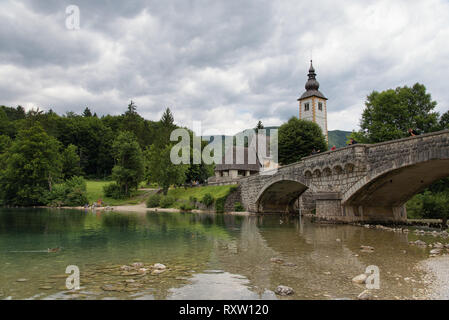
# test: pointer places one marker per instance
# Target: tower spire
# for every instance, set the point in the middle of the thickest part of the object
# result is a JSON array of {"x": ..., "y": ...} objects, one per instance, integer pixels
[
  {"x": 312, "y": 74},
  {"x": 312, "y": 83}
]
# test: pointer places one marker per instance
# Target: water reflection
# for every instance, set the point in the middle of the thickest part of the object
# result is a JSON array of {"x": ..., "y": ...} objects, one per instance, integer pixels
[{"x": 208, "y": 256}]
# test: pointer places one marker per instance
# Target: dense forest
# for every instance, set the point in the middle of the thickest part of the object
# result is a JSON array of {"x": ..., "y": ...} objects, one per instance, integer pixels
[{"x": 40, "y": 150}]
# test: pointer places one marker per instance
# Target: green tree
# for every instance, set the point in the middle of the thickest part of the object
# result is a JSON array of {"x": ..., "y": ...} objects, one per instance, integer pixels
[
  {"x": 389, "y": 114},
  {"x": 71, "y": 162},
  {"x": 32, "y": 166},
  {"x": 5, "y": 143},
  {"x": 131, "y": 109},
  {"x": 87, "y": 112},
  {"x": 297, "y": 139},
  {"x": 444, "y": 121},
  {"x": 167, "y": 119},
  {"x": 198, "y": 172},
  {"x": 436, "y": 206},
  {"x": 4, "y": 123},
  {"x": 129, "y": 168},
  {"x": 259, "y": 126},
  {"x": 161, "y": 170}
]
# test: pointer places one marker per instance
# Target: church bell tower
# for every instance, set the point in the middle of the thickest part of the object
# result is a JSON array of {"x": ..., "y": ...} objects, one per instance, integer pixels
[{"x": 312, "y": 103}]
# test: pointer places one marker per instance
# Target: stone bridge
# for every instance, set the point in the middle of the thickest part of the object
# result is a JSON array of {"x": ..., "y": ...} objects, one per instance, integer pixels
[{"x": 355, "y": 183}]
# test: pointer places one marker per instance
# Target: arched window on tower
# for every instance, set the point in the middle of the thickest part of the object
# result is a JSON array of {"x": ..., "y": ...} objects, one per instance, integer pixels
[
  {"x": 306, "y": 106},
  {"x": 320, "y": 106}
]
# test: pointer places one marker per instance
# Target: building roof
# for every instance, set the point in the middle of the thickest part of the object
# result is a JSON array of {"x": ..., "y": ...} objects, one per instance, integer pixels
[
  {"x": 312, "y": 86},
  {"x": 240, "y": 160}
]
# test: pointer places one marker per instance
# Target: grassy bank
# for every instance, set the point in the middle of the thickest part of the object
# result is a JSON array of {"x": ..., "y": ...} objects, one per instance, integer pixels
[
  {"x": 95, "y": 192},
  {"x": 198, "y": 192},
  {"x": 191, "y": 198}
]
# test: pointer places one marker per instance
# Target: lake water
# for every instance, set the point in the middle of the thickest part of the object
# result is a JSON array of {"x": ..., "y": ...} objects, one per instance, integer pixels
[{"x": 207, "y": 256}]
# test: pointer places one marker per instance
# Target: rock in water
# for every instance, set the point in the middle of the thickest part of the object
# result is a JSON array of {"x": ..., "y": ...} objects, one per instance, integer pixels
[
  {"x": 435, "y": 251},
  {"x": 365, "y": 295},
  {"x": 277, "y": 260},
  {"x": 289, "y": 264},
  {"x": 284, "y": 291},
  {"x": 125, "y": 268},
  {"x": 137, "y": 265},
  {"x": 159, "y": 266},
  {"x": 143, "y": 270},
  {"x": 158, "y": 271},
  {"x": 367, "y": 248},
  {"x": 360, "y": 279},
  {"x": 419, "y": 243}
]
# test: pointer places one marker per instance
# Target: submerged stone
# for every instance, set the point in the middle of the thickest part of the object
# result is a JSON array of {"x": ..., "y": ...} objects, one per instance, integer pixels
[
  {"x": 159, "y": 266},
  {"x": 365, "y": 295},
  {"x": 284, "y": 291},
  {"x": 360, "y": 279}
]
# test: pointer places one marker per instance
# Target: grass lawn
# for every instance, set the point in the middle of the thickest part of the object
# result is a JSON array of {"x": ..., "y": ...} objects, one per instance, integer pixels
[
  {"x": 183, "y": 194},
  {"x": 95, "y": 192}
]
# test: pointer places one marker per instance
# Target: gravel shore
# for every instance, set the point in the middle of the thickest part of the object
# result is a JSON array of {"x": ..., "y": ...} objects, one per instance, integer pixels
[{"x": 437, "y": 270}]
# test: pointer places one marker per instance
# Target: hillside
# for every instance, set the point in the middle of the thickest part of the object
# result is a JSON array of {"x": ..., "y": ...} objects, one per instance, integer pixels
[{"x": 338, "y": 138}]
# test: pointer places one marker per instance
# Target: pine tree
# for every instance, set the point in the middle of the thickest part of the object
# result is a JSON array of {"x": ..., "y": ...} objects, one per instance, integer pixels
[
  {"x": 167, "y": 119},
  {"x": 87, "y": 112}
]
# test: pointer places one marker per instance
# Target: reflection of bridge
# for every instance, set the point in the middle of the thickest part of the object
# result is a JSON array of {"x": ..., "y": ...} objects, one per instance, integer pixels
[{"x": 356, "y": 183}]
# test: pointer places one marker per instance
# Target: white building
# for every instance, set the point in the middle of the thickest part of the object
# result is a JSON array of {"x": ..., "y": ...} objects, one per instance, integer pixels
[{"x": 312, "y": 103}]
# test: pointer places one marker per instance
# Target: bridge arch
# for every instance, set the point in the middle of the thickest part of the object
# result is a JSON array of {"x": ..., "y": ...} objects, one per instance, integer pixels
[
  {"x": 327, "y": 172},
  {"x": 338, "y": 169},
  {"x": 349, "y": 168},
  {"x": 280, "y": 194},
  {"x": 317, "y": 173},
  {"x": 308, "y": 174},
  {"x": 392, "y": 188}
]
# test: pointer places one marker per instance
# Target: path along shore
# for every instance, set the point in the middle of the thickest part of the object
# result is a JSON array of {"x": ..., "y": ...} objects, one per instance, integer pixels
[{"x": 141, "y": 208}]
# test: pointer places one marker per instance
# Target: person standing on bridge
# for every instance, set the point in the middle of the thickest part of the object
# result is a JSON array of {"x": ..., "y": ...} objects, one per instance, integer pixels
[
  {"x": 412, "y": 132},
  {"x": 352, "y": 141}
]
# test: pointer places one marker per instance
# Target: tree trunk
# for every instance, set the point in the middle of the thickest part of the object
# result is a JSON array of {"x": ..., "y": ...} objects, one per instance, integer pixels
[
  {"x": 49, "y": 183},
  {"x": 444, "y": 224}
]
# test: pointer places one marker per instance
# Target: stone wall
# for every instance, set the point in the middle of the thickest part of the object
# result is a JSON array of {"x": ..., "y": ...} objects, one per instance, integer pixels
[{"x": 232, "y": 198}]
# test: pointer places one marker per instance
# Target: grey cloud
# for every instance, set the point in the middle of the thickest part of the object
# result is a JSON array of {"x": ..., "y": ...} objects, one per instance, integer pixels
[{"x": 249, "y": 59}]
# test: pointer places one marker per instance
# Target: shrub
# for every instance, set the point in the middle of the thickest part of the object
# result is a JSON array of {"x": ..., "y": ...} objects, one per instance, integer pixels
[
  {"x": 186, "y": 207},
  {"x": 207, "y": 200},
  {"x": 154, "y": 201},
  {"x": 193, "y": 199},
  {"x": 415, "y": 207},
  {"x": 71, "y": 193},
  {"x": 238, "y": 207},
  {"x": 436, "y": 206},
  {"x": 113, "y": 191},
  {"x": 56, "y": 196},
  {"x": 166, "y": 202},
  {"x": 219, "y": 204}
]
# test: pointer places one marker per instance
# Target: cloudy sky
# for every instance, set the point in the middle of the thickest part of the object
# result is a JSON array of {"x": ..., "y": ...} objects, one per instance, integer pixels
[{"x": 225, "y": 63}]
